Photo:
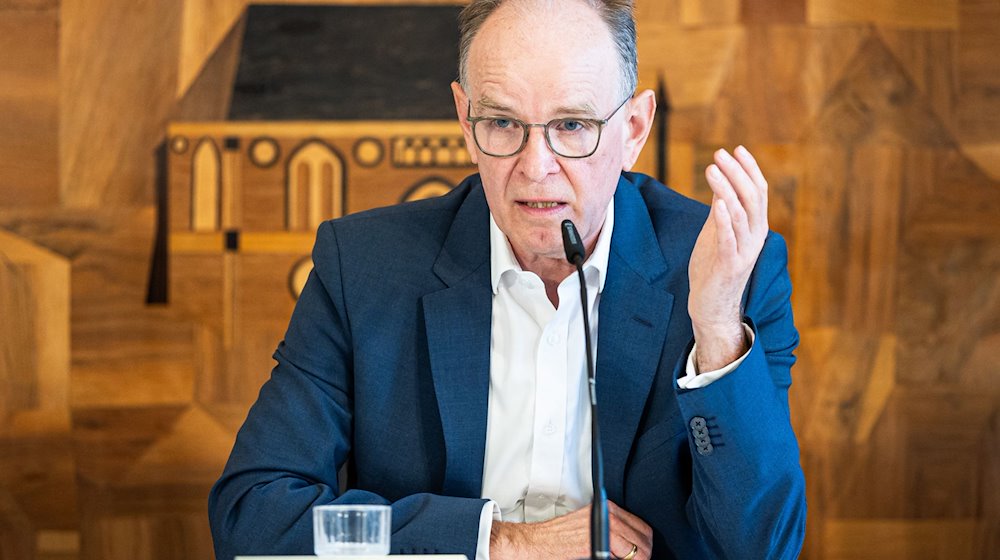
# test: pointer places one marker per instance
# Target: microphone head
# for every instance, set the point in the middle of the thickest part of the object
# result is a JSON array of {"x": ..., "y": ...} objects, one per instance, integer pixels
[{"x": 575, "y": 253}]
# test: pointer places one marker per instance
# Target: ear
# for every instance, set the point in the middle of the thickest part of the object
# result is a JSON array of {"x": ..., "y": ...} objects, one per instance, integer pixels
[
  {"x": 641, "y": 110},
  {"x": 462, "y": 110}
]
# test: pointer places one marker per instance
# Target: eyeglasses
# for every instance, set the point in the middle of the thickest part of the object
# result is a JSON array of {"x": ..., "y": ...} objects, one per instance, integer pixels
[{"x": 568, "y": 137}]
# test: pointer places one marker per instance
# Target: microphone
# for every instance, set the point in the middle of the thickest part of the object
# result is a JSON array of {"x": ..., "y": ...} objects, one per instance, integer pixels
[
  {"x": 575, "y": 253},
  {"x": 600, "y": 541}
]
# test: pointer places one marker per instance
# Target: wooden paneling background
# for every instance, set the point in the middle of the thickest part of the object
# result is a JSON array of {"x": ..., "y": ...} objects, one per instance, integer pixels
[{"x": 876, "y": 121}]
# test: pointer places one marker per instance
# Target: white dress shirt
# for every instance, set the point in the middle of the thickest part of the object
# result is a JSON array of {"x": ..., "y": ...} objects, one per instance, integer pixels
[{"x": 537, "y": 461}]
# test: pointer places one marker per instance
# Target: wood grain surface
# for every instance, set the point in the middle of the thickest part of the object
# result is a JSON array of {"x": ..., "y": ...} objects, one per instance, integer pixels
[{"x": 877, "y": 123}]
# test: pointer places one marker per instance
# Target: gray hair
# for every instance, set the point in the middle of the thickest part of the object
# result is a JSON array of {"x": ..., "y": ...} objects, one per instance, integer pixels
[{"x": 617, "y": 14}]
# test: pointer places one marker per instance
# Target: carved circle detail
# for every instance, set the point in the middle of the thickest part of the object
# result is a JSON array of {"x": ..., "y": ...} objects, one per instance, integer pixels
[
  {"x": 179, "y": 144},
  {"x": 264, "y": 152},
  {"x": 368, "y": 152}
]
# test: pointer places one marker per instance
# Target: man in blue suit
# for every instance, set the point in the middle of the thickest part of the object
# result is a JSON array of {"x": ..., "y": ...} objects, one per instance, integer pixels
[{"x": 436, "y": 345}]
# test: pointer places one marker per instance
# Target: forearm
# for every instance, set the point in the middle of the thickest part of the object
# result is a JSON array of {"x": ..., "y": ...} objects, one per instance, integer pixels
[
  {"x": 720, "y": 346},
  {"x": 276, "y": 518},
  {"x": 748, "y": 492}
]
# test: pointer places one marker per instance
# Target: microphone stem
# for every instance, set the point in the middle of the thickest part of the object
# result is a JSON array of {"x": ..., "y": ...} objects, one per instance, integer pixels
[{"x": 600, "y": 542}]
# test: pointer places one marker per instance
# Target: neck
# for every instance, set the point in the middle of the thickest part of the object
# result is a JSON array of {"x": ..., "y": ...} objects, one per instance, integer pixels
[{"x": 552, "y": 269}]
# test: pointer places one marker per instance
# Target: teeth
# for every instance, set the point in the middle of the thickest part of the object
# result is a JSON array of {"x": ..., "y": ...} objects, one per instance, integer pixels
[{"x": 542, "y": 204}]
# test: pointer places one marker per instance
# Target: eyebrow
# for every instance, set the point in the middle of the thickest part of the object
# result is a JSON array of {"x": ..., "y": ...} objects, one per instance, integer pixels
[
  {"x": 584, "y": 110},
  {"x": 485, "y": 103}
]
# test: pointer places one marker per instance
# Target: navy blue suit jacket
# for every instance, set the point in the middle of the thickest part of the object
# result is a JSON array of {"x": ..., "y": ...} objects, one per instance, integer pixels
[{"x": 386, "y": 363}]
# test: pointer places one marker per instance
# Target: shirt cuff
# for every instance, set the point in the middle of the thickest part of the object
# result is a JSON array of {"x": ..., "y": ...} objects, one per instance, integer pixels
[
  {"x": 490, "y": 513},
  {"x": 694, "y": 380}
]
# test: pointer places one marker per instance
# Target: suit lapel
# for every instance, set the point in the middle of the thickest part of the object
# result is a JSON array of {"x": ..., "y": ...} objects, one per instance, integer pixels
[
  {"x": 634, "y": 316},
  {"x": 458, "y": 322}
]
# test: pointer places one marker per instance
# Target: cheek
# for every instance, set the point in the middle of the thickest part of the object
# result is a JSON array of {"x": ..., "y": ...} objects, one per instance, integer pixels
[
  {"x": 597, "y": 179},
  {"x": 496, "y": 173},
  {"x": 495, "y": 180},
  {"x": 594, "y": 184}
]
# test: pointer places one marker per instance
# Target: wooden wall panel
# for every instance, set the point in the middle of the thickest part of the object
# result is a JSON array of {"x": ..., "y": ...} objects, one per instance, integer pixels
[
  {"x": 118, "y": 77},
  {"x": 205, "y": 24},
  {"x": 775, "y": 114},
  {"x": 29, "y": 4},
  {"x": 709, "y": 12},
  {"x": 693, "y": 79},
  {"x": 37, "y": 466},
  {"x": 209, "y": 95},
  {"x": 891, "y": 13},
  {"x": 977, "y": 90},
  {"x": 774, "y": 11},
  {"x": 875, "y": 122},
  {"x": 890, "y": 538},
  {"x": 29, "y": 103}
]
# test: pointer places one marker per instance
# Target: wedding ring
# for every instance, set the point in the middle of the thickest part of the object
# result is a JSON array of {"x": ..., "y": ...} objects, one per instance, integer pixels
[{"x": 631, "y": 554}]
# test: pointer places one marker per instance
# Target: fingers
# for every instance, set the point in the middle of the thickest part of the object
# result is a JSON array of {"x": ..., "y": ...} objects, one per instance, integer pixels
[
  {"x": 627, "y": 530},
  {"x": 621, "y": 547},
  {"x": 739, "y": 181},
  {"x": 725, "y": 236},
  {"x": 738, "y": 172},
  {"x": 738, "y": 222},
  {"x": 749, "y": 164}
]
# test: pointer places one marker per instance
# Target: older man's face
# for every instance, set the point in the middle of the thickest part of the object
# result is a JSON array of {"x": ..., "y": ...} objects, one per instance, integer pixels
[{"x": 536, "y": 64}]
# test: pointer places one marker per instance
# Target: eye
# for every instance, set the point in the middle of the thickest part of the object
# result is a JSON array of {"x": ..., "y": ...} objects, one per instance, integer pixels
[
  {"x": 571, "y": 125},
  {"x": 501, "y": 124}
]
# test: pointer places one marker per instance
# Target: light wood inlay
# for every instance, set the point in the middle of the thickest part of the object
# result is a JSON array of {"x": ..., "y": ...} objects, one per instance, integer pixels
[
  {"x": 188, "y": 242},
  {"x": 277, "y": 243},
  {"x": 206, "y": 187}
]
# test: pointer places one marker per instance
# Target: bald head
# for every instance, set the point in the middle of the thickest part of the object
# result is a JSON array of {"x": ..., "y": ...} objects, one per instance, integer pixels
[{"x": 615, "y": 14}]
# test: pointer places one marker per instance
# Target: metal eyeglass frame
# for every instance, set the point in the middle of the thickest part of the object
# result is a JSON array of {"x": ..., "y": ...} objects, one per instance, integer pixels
[{"x": 545, "y": 131}]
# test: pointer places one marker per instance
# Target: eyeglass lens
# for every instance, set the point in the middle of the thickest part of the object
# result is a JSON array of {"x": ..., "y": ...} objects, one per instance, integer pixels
[{"x": 566, "y": 137}]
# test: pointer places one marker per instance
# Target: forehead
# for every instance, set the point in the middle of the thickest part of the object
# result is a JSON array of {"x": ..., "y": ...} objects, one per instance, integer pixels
[{"x": 560, "y": 50}]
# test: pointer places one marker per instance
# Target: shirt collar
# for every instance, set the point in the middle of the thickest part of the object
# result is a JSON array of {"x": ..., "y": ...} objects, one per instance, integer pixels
[{"x": 502, "y": 257}]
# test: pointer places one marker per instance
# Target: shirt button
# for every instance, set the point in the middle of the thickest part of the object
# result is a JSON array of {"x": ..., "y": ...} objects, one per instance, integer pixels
[
  {"x": 549, "y": 429},
  {"x": 553, "y": 339}
]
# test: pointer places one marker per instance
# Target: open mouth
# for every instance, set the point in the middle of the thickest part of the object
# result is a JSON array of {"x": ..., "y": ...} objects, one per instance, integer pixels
[{"x": 531, "y": 204}]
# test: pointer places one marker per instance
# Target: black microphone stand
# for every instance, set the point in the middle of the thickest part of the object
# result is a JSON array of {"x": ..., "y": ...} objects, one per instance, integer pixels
[{"x": 600, "y": 541}]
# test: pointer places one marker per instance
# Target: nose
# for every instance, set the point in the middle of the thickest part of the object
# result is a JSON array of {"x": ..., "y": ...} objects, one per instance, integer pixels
[{"x": 536, "y": 160}]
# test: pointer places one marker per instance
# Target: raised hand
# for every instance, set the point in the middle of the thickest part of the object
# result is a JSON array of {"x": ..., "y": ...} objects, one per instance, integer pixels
[{"x": 724, "y": 256}]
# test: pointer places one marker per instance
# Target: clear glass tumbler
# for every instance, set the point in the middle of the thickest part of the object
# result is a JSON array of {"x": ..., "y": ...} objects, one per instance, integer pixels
[{"x": 351, "y": 530}]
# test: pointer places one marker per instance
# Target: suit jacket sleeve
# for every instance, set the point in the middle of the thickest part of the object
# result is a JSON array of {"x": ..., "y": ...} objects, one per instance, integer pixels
[
  {"x": 748, "y": 490},
  {"x": 298, "y": 434}
]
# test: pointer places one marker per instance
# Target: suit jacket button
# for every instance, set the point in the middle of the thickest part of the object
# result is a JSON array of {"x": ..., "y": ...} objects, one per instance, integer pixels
[
  {"x": 698, "y": 423},
  {"x": 705, "y": 449}
]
